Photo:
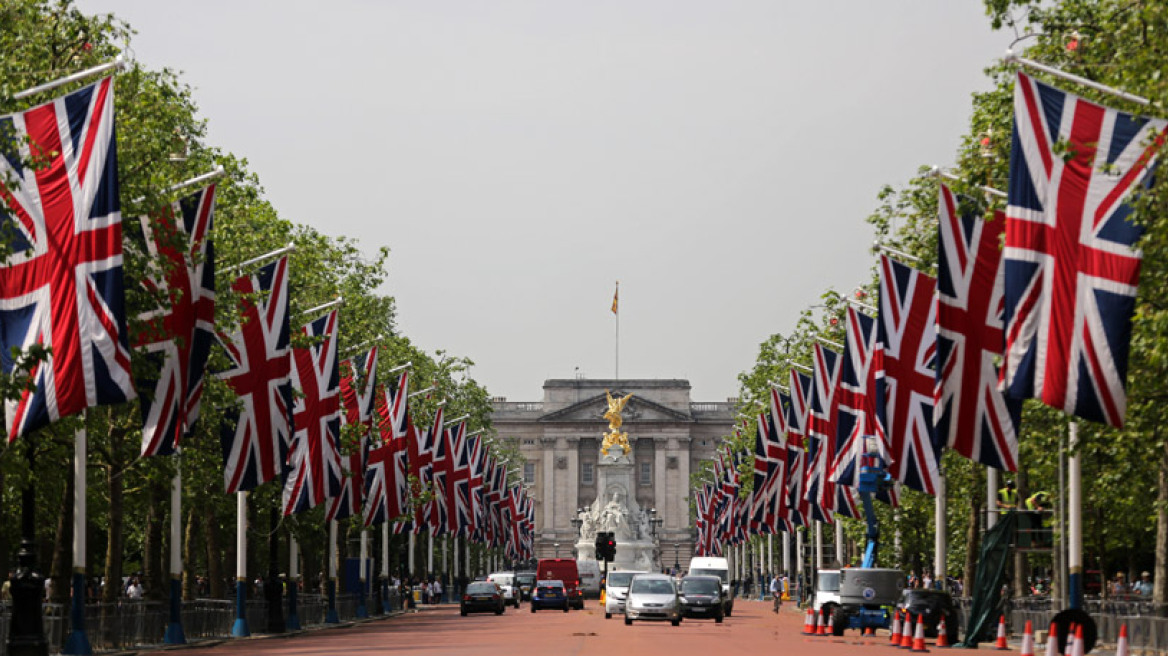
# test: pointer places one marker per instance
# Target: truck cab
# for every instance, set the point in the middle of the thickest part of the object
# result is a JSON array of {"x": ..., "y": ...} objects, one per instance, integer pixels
[{"x": 827, "y": 590}]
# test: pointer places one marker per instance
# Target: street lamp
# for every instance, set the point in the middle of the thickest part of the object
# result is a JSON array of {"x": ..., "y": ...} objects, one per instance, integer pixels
[
  {"x": 577, "y": 522},
  {"x": 655, "y": 522},
  {"x": 557, "y": 545},
  {"x": 676, "y": 557}
]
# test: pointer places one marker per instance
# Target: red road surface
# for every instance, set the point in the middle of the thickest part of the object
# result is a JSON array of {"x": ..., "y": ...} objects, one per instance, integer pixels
[{"x": 753, "y": 629}]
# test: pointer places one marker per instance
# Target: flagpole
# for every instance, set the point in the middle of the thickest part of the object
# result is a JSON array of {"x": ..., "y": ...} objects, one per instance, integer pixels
[
  {"x": 260, "y": 258},
  {"x": 239, "y": 629},
  {"x": 384, "y": 592},
  {"x": 78, "y": 641},
  {"x": 362, "y": 576},
  {"x": 330, "y": 616},
  {"x": 174, "y": 629},
  {"x": 116, "y": 64},
  {"x": 941, "y": 540},
  {"x": 292, "y": 623},
  {"x": 186, "y": 184},
  {"x": 616, "y": 311},
  {"x": 1075, "y": 520},
  {"x": 1012, "y": 57}
]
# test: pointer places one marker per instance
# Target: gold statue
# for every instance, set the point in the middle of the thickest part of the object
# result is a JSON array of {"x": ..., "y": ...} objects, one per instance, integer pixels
[{"x": 614, "y": 436}]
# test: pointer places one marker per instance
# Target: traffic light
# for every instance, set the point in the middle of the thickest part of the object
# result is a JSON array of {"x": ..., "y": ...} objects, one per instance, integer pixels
[{"x": 605, "y": 546}]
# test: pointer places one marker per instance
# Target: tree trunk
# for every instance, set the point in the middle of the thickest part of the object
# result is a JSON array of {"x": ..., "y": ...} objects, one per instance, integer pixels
[
  {"x": 214, "y": 553},
  {"x": 156, "y": 587},
  {"x": 973, "y": 535},
  {"x": 1160, "y": 580},
  {"x": 114, "y": 538},
  {"x": 188, "y": 551},
  {"x": 62, "y": 563}
]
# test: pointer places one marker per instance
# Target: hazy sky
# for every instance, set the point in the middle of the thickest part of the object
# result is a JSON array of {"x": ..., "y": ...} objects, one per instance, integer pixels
[{"x": 717, "y": 157}]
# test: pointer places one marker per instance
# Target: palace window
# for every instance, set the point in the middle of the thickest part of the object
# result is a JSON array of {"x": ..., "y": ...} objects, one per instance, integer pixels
[
  {"x": 646, "y": 473},
  {"x": 586, "y": 473},
  {"x": 529, "y": 472}
]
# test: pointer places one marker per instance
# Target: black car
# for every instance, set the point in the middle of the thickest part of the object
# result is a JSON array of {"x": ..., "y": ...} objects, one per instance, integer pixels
[
  {"x": 526, "y": 582},
  {"x": 701, "y": 596},
  {"x": 482, "y": 596},
  {"x": 933, "y": 604}
]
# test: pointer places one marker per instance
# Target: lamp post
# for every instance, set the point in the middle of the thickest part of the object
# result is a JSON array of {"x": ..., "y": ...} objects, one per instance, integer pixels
[
  {"x": 676, "y": 558},
  {"x": 557, "y": 545}
]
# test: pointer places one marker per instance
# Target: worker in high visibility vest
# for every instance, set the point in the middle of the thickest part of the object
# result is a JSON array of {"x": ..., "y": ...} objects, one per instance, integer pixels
[{"x": 1008, "y": 496}]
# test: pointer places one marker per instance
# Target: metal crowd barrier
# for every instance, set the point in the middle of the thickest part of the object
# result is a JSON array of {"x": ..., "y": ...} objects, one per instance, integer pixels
[{"x": 135, "y": 624}]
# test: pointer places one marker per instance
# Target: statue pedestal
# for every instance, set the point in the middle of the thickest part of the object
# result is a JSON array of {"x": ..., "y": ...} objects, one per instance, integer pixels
[{"x": 635, "y": 548}]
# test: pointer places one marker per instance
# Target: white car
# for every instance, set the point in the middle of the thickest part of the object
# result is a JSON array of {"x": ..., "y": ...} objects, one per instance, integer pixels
[
  {"x": 652, "y": 597},
  {"x": 506, "y": 583},
  {"x": 615, "y": 590}
]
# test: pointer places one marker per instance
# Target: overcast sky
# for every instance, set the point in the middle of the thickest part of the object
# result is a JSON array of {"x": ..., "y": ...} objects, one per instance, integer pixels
[{"x": 717, "y": 157}]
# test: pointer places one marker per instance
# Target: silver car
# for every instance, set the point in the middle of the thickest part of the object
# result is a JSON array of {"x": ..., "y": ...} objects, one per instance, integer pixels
[
  {"x": 652, "y": 597},
  {"x": 616, "y": 588}
]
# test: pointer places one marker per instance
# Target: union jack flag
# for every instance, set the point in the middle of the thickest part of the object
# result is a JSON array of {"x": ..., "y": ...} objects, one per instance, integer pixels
[
  {"x": 388, "y": 498},
  {"x": 430, "y": 455},
  {"x": 797, "y": 419},
  {"x": 907, "y": 331},
  {"x": 707, "y": 521},
  {"x": 860, "y": 392},
  {"x": 1072, "y": 268},
  {"x": 178, "y": 336},
  {"x": 61, "y": 285},
  {"x": 456, "y": 488},
  {"x": 821, "y": 428},
  {"x": 972, "y": 415},
  {"x": 357, "y": 398},
  {"x": 315, "y": 459},
  {"x": 768, "y": 510},
  {"x": 255, "y": 440}
]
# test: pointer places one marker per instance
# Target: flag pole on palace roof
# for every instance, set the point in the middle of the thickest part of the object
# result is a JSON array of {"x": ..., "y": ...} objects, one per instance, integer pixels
[{"x": 616, "y": 312}]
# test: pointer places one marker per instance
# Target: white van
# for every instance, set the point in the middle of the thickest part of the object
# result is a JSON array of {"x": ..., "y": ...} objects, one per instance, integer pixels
[
  {"x": 616, "y": 589},
  {"x": 719, "y": 567},
  {"x": 827, "y": 590},
  {"x": 589, "y": 573},
  {"x": 506, "y": 583}
]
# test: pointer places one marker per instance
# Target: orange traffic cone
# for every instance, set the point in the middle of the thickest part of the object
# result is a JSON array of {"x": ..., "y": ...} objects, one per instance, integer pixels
[
  {"x": 1001, "y": 642},
  {"x": 830, "y": 629},
  {"x": 1052, "y": 640},
  {"x": 918, "y": 643},
  {"x": 906, "y": 632},
  {"x": 895, "y": 628},
  {"x": 869, "y": 631},
  {"x": 1078, "y": 649},
  {"x": 942, "y": 634},
  {"x": 1070, "y": 645},
  {"x": 809, "y": 623},
  {"x": 1121, "y": 643},
  {"x": 819, "y": 623},
  {"x": 1028, "y": 640}
]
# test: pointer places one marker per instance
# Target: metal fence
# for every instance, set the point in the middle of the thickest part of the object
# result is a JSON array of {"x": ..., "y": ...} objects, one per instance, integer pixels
[{"x": 135, "y": 624}]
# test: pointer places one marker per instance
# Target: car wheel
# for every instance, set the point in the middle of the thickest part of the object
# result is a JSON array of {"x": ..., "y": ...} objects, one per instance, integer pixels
[
  {"x": 839, "y": 622},
  {"x": 565, "y": 608},
  {"x": 628, "y": 621},
  {"x": 533, "y": 608},
  {"x": 729, "y": 611},
  {"x": 498, "y": 611},
  {"x": 676, "y": 622},
  {"x": 951, "y": 628},
  {"x": 463, "y": 613},
  {"x": 717, "y": 619},
  {"x": 607, "y": 615}
]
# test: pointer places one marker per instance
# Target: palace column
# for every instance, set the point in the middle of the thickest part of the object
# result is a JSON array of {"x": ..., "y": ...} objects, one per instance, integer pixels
[
  {"x": 660, "y": 493},
  {"x": 573, "y": 495},
  {"x": 549, "y": 493}
]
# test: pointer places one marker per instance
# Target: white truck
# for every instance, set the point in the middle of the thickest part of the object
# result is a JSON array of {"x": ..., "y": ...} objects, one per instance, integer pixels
[
  {"x": 827, "y": 590},
  {"x": 589, "y": 571}
]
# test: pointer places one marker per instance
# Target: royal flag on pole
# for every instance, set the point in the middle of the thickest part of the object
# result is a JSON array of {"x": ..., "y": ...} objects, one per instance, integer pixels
[
  {"x": 615, "y": 298},
  {"x": 179, "y": 335},
  {"x": 388, "y": 499},
  {"x": 972, "y": 415},
  {"x": 907, "y": 331},
  {"x": 358, "y": 393},
  {"x": 861, "y": 393},
  {"x": 1072, "y": 268},
  {"x": 61, "y": 260},
  {"x": 255, "y": 441},
  {"x": 315, "y": 458},
  {"x": 797, "y": 441},
  {"x": 821, "y": 427}
]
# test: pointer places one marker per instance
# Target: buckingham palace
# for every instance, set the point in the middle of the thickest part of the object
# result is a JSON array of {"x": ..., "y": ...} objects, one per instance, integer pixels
[{"x": 560, "y": 439}]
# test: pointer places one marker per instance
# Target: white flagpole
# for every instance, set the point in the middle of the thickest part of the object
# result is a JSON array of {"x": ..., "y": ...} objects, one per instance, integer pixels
[
  {"x": 174, "y": 630},
  {"x": 1011, "y": 56},
  {"x": 385, "y": 563},
  {"x": 186, "y": 184},
  {"x": 941, "y": 544},
  {"x": 1075, "y": 520},
  {"x": 410, "y": 555},
  {"x": 616, "y": 311},
  {"x": 363, "y": 575},
  {"x": 293, "y": 621},
  {"x": 78, "y": 640},
  {"x": 839, "y": 543},
  {"x": 330, "y": 616},
  {"x": 991, "y": 497},
  {"x": 239, "y": 629},
  {"x": 256, "y": 260},
  {"x": 116, "y": 64}
]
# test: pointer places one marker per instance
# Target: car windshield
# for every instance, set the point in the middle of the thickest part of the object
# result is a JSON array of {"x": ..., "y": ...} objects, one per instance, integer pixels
[
  {"x": 620, "y": 579},
  {"x": 829, "y": 581},
  {"x": 651, "y": 586},
  {"x": 699, "y": 586},
  {"x": 525, "y": 579},
  {"x": 502, "y": 579},
  {"x": 720, "y": 573},
  {"x": 480, "y": 588}
]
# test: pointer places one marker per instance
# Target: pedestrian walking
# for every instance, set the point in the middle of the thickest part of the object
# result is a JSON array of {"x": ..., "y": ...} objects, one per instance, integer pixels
[{"x": 777, "y": 592}]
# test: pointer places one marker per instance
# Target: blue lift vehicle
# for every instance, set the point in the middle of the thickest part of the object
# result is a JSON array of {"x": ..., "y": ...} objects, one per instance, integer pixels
[{"x": 867, "y": 592}]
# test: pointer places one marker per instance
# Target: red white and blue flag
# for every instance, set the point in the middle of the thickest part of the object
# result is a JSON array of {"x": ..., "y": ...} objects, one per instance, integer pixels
[
  {"x": 907, "y": 331},
  {"x": 972, "y": 415},
  {"x": 826, "y": 497},
  {"x": 797, "y": 459},
  {"x": 767, "y": 506},
  {"x": 387, "y": 493},
  {"x": 1072, "y": 268},
  {"x": 61, "y": 282},
  {"x": 315, "y": 457},
  {"x": 358, "y": 394},
  {"x": 456, "y": 489},
  {"x": 430, "y": 454},
  {"x": 255, "y": 441},
  {"x": 178, "y": 336}
]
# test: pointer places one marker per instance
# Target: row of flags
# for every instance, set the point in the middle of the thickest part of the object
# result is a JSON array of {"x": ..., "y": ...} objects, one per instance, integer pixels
[
  {"x": 61, "y": 287},
  {"x": 1035, "y": 303}
]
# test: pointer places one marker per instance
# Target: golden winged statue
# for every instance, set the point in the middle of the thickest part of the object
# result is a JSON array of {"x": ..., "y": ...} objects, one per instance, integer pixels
[{"x": 614, "y": 436}]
